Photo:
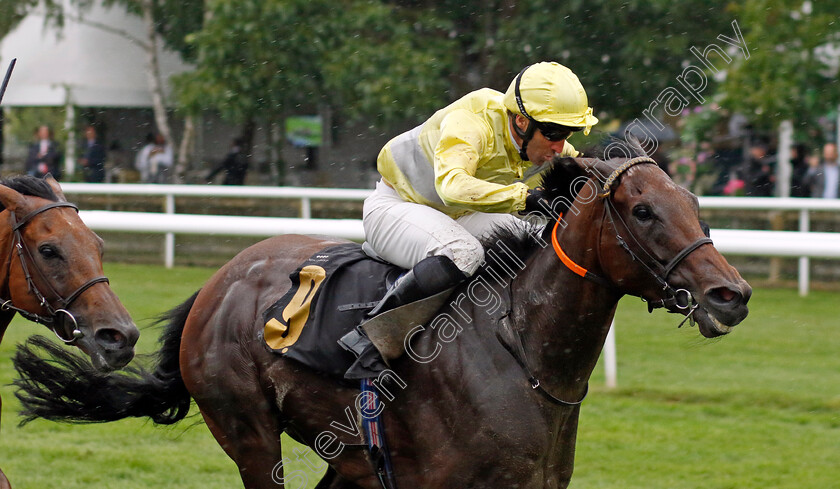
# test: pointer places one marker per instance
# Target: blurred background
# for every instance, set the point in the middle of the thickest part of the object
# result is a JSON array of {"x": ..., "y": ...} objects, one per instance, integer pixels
[
  {"x": 313, "y": 89},
  {"x": 737, "y": 101}
]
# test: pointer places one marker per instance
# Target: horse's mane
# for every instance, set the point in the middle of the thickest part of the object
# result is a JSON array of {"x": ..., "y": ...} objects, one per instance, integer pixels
[
  {"x": 506, "y": 240},
  {"x": 29, "y": 185}
]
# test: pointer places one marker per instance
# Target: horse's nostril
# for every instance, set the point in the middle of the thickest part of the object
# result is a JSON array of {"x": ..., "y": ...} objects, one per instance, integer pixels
[
  {"x": 111, "y": 339},
  {"x": 724, "y": 295}
]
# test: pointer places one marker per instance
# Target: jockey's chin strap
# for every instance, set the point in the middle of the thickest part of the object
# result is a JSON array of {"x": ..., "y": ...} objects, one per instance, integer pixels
[
  {"x": 63, "y": 303},
  {"x": 674, "y": 298}
]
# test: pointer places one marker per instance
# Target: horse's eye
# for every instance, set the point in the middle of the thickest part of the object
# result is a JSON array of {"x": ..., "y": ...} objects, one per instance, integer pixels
[
  {"x": 642, "y": 212},
  {"x": 48, "y": 251}
]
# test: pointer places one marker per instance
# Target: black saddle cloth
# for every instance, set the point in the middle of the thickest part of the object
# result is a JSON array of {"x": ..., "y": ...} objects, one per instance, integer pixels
[{"x": 330, "y": 294}]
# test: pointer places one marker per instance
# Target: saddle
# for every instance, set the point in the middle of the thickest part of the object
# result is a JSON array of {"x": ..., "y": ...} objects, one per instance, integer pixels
[{"x": 331, "y": 293}]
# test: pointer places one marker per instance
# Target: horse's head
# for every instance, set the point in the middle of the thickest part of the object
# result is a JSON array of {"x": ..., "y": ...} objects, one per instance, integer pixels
[
  {"x": 652, "y": 245},
  {"x": 53, "y": 273}
]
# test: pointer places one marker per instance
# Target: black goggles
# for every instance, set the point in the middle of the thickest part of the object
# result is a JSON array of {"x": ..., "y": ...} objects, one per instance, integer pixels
[{"x": 556, "y": 132}]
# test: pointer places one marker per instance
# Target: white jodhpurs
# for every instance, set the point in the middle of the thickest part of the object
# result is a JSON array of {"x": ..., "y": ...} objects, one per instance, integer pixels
[{"x": 404, "y": 233}]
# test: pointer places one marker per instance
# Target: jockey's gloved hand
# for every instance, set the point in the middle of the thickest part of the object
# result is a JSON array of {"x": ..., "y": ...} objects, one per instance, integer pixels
[{"x": 535, "y": 201}]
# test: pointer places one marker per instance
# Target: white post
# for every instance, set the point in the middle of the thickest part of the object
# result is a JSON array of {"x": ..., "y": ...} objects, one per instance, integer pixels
[
  {"x": 804, "y": 261},
  {"x": 610, "y": 369},
  {"x": 70, "y": 128},
  {"x": 169, "y": 239},
  {"x": 783, "y": 167},
  {"x": 305, "y": 208},
  {"x": 838, "y": 125}
]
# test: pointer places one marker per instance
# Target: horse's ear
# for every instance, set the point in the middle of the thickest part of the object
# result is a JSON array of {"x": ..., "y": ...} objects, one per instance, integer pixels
[
  {"x": 561, "y": 181},
  {"x": 56, "y": 188},
  {"x": 11, "y": 199},
  {"x": 595, "y": 167},
  {"x": 564, "y": 171}
]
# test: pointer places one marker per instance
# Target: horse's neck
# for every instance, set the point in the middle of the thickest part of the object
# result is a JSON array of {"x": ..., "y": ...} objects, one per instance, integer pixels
[
  {"x": 564, "y": 318},
  {"x": 5, "y": 258},
  {"x": 5, "y": 264}
]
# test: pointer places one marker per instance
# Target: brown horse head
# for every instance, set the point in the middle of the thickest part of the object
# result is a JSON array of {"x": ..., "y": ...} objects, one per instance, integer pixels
[
  {"x": 652, "y": 245},
  {"x": 53, "y": 273}
]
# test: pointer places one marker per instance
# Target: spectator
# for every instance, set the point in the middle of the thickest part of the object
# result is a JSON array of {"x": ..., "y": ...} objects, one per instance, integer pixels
[
  {"x": 235, "y": 165},
  {"x": 44, "y": 155},
  {"x": 93, "y": 157},
  {"x": 724, "y": 161},
  {"x": 160, "y": 160},
  {"x": 823, "y": 179},
  {"x": 799, "y": 167},
  {"x": 141, "y": 161},
  {"x": 759, "y": 180}
]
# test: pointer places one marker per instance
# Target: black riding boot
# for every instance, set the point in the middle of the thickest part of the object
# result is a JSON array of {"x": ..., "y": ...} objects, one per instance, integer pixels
[{"x": 429, "y": 277}]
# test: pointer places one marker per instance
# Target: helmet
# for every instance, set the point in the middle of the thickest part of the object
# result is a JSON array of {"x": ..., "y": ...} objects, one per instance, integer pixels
[{"x": 550, "y": 93}]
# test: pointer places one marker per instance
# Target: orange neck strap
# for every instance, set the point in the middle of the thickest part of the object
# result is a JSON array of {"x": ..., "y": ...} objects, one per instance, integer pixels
[{"x": 570, "y": 264}]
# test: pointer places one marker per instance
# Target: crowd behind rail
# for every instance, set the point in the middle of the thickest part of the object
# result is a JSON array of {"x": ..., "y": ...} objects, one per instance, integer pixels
[
  {"x": 706, "y": 171},
  {"x": 701, "y": 168}
]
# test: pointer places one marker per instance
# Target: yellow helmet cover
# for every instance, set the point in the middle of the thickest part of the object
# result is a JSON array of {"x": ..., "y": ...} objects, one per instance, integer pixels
[{"x": 550, "y": 92}]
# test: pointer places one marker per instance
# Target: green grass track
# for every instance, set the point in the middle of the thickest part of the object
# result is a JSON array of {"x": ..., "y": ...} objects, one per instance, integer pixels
[{"x": 759, "y": 408}]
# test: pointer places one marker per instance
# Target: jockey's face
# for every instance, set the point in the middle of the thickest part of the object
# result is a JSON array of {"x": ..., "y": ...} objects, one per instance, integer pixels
[{"x": 540, "y": 149}]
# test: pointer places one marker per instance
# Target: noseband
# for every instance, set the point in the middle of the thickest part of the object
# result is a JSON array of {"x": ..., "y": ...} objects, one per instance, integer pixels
[
  {"x": 674, "y": 298},
  {"x": 63, "y": 303}
]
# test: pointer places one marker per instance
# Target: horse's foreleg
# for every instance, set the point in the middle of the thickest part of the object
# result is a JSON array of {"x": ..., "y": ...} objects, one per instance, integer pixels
[{"x": 565, "y": 448}]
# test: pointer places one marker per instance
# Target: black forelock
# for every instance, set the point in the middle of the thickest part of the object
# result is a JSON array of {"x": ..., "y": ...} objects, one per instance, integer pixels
[{"x": 29, "y": 185}]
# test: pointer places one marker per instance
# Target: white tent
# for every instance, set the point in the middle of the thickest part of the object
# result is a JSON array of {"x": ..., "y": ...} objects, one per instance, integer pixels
[
  {"x": 89, "y": 63},
  {"x": 93, "y": 61}
]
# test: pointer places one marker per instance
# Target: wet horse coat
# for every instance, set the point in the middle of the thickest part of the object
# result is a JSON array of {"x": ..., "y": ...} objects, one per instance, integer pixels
[{"x": 459, "y": 409}]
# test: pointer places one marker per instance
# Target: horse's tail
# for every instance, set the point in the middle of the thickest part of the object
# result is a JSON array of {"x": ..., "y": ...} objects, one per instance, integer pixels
[{"x": 64, "y": 386}]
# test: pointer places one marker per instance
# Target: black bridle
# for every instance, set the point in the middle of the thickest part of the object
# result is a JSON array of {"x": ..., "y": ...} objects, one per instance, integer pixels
[
  {"x": 23, "y": 251},
  {"x": 674, "y": 298}
]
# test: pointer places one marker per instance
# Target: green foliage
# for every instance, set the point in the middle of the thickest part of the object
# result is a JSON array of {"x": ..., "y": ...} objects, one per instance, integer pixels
[
  {"x": 624, "y": 52},
  {"x": 13, "y": 11},
  {"x": 278, "y": 57},
  {"x": 397, "y": 60},
  {"x": 784, "y": 78},
  {"x": 700, "y": 124}
]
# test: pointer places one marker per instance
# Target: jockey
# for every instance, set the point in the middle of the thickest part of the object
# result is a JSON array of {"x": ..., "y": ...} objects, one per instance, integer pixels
[{"x": 451, "y": 180}]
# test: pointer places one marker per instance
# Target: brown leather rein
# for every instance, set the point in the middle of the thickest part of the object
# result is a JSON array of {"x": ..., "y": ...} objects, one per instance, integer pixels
[{"x": 19, "y": 245}]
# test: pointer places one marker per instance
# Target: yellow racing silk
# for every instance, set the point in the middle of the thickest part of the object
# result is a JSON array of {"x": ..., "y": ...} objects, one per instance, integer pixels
[{"x": 463, "y": 159}]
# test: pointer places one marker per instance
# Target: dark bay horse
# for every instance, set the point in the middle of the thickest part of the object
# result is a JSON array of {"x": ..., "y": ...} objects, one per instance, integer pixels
[
  {"x": 488, "y": 395},
  {"x": 52, "y": 274}
]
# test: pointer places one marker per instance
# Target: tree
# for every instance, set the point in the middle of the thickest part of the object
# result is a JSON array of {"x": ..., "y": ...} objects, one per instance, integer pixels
[
  {"x": 265, "y": 60},
  {"x": 787, "y": 75},
  {"x": 175, "y": 17}
]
